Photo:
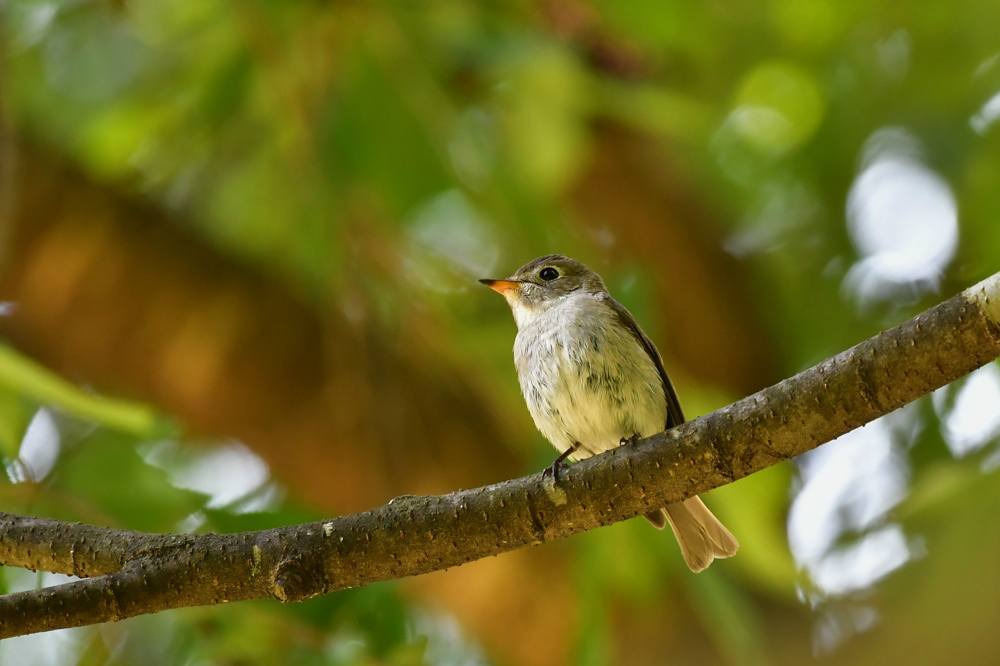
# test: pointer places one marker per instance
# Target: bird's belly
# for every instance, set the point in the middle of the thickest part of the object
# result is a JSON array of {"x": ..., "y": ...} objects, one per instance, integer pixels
[
  {"x": 590, "y": 397},
  {"x": 599, "y": 422}
]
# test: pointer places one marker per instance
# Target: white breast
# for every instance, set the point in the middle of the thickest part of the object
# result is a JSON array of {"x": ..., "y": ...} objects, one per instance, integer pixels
[{"x": 586, "y": 378}]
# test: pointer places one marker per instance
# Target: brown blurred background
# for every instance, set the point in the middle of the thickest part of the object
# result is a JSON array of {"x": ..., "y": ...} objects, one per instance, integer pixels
[{"x": 266, "y": 221}]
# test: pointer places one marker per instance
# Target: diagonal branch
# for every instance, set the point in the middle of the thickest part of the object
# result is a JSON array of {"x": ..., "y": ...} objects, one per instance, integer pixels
[{"x": 138, "y": 573}]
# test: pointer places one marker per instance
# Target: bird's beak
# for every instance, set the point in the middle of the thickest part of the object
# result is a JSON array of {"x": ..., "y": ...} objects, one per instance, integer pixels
[{"x": 502, "y": 286}]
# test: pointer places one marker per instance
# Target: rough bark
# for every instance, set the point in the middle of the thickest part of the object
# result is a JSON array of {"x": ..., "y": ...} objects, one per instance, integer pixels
[{"x": 137, "y": 573}]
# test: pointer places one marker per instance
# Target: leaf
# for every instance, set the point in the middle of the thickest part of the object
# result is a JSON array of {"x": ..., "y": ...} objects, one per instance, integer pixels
[
  {"x": 24, "y": 377},
  {"x": 117, "y": 487}
]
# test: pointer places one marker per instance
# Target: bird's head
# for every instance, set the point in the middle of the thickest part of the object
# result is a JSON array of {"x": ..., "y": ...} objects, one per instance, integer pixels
[{"x": 543, "y": 282}]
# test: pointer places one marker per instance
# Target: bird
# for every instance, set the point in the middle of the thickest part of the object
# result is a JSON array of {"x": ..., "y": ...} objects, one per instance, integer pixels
[{"x": 593, "y": 380}]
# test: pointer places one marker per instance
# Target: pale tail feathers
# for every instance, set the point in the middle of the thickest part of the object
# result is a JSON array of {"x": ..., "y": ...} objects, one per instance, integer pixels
[{"x": 700, "y": 534}]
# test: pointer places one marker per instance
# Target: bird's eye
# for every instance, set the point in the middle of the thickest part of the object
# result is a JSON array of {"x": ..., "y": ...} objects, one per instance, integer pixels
[{"x": 548, "y": 274}]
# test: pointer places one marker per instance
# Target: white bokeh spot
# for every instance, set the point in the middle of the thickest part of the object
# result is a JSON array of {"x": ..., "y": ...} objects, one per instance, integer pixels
[{"x": 902, "y": 218}]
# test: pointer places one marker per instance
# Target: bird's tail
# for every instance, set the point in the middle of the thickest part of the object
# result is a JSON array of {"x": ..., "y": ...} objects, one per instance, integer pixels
[{"x": 700, "y": 534}]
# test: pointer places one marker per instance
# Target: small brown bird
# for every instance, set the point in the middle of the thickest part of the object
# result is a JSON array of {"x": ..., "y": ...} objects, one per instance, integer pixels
[{"x": 592, "y": 379}]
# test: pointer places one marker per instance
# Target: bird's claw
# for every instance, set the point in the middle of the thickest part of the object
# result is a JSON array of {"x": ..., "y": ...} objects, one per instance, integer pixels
[{"x": 553, "y": 469}]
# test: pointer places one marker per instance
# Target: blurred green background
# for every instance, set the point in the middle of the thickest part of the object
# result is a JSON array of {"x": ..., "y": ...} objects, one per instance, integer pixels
[{"x": 239, "y": 245}]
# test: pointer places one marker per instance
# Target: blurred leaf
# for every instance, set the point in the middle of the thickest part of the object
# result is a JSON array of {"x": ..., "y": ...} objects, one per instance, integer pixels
[
  {"x": 107, "y": 474},
  {"x": 371, "y": 125},
  {"x": 778, "y": 107},
  {"x": 31, "y": 380},
  {"x": 755, "y": 511},
  {"x": 15, "y": 414},
  {"x": 729, "y": 617},
  {"x": 657, "y": 111},
  {"x": 811, "y": 25},
  {"x": 542, "y": 91}
]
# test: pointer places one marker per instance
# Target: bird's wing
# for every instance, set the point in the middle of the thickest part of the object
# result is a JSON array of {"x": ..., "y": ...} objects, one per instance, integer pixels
[{"x": 675, "y": 416}]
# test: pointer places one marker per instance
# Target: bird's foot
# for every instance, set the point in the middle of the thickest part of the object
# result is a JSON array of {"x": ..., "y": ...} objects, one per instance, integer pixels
[
  {"x": 630, "y": 440},
  {"x": 553, "y": 469}
]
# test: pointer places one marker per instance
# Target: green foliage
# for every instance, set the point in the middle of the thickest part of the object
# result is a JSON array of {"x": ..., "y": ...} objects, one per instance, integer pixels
[
  {"x": 34, "y": 384},
  {"x": 389, "y": 153}
]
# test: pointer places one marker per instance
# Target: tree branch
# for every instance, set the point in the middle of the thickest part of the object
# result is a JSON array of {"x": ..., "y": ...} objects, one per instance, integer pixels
[{"x": 140, "y": 573}]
